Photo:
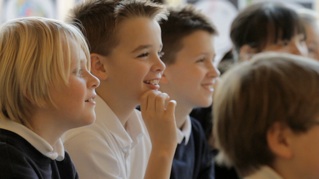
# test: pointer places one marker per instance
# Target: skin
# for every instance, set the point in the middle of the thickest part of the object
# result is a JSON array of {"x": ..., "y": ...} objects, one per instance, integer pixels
[
  {"x": 194, "y": 62},
  {"x": 312, "y": 31},
  {"x": 296, "y": 153},
  {"x": 296, "y": 45},
  {"x": 75, "y": 102}
]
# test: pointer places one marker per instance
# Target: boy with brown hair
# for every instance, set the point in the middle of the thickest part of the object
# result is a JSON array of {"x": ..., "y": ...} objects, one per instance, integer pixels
[
  {"x": 189, "y": 79},
  {"x": 125, "y": 41},
  {"x": 266, "y": 117}
]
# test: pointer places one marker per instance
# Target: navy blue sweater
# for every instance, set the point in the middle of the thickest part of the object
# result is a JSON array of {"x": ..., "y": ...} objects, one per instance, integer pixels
[
  {"x": 20, "y": 160},
  {"x": 194, "y": 160}
]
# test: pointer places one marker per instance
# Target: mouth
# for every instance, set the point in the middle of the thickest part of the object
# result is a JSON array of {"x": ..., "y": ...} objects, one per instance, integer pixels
[
  {"x": 90, "y": 99},
  {"x": 209, "y": 87},
  {"x": 152, "y": 82}
]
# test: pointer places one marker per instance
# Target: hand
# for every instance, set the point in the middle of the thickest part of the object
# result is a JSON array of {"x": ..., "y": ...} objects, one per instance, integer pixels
[{"x": 158, "y": 112}]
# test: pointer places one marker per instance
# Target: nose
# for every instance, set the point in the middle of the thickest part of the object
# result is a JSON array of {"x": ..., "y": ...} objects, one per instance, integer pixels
[
  {"x": 93, "y": 81},
  {"x": 213, "y": 71},
  {"x": 158, "y": 65}
]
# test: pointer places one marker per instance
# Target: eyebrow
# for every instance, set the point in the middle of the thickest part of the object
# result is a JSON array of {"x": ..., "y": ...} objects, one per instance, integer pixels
[{"x": 141, "y": 47}]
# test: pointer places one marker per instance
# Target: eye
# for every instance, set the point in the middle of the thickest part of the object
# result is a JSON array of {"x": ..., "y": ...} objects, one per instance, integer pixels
[
  {"x": 143, "y": 55},
  {"x": 200, "y": 60},
  {"x": 78, "y": 72},
  {"x": 284, "y": 42}
]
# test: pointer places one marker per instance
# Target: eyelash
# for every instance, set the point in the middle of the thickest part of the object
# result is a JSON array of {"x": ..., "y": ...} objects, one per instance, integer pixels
[
  {"x": 79, "y": 72},
  {"x": 143, "y": 55},
  {"x": 160, "y": 54}
]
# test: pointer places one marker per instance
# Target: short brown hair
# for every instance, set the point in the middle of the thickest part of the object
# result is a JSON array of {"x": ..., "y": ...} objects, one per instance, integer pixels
[
  {"x": 181, "y": 22},
  {"x": 99, "y": 19},
  {"x": 251, "y": 97}
]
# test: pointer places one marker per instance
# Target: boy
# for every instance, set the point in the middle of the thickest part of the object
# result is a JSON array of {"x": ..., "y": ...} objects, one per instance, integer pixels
[
  {"x": 266, "y": 117},
  {"x": 46, "y": 89},
  {"x": 189, "y": 79},
  {"x": 125, "y": 41},
  {"x": 267, "y": 26}
]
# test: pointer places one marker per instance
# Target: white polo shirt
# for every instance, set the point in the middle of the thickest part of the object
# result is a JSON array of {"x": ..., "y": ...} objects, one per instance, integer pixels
[
  {"x": 105, "y": 150},
  {"x": 264, "y": 172}
]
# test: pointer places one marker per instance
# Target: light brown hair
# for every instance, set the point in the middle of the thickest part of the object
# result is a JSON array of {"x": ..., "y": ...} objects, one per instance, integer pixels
[
  {"x": 99, "y": 20},
  {"x": 252, "y": 96}
]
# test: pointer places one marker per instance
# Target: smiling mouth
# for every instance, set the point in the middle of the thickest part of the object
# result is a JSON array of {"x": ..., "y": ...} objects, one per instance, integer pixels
[
  {"x": 90, "y": 100},
  {"x": 152, "y": 82}
]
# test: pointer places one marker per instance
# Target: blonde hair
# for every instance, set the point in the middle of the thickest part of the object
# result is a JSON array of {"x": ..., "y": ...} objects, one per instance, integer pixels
[
  {"x": 35, "y": 56},
  {"x": 252, "y": 96}
]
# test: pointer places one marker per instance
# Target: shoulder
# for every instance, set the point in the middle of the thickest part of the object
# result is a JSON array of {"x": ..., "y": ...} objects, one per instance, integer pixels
[
  {"x": 198, "y": 133},
  {"x": 12, "y": 159},
  {"x": 66, "y": 167},
  {"x": 196, "y": 126}
]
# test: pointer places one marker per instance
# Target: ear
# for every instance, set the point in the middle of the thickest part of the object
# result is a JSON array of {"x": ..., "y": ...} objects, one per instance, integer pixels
[
  {"x": 246, "y": 52},
  {"x": 98, "y": 68},
  {"x": 279, "y": 140}
]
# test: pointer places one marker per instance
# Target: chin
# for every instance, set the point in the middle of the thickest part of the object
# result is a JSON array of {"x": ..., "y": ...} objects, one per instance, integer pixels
[{"x": 206, "y": 104}]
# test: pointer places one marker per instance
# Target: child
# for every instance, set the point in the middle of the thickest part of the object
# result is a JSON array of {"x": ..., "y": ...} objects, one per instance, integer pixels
[
  {"x": 267, "y": 26},
  {"x": 310, "y": 21},
  {"x": 125, "y": 41},
  {"x": 266, "y": 117},
  {"x": 46, "y": 89},
  {"x": 189, "y": 79}
]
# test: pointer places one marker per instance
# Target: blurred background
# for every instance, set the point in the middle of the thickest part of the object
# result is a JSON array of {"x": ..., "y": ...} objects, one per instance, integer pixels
[{"x": 221, "y": 12}]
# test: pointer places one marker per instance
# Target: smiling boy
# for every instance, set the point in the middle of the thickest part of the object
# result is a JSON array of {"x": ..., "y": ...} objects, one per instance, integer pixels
[
  {"x": 125, "y": 41},
  {"x": 189, "y": 79}
]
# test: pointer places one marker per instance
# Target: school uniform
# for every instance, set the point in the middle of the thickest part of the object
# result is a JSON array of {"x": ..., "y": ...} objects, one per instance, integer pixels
[
  {"x": 106, "y": 149},
  {"x": 24, "y": 154},
  {"x": 264, "y": 172},
  {"x": 193, "y": 157}
]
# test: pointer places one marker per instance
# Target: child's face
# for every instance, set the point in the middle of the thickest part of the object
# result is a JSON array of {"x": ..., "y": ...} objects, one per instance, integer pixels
[
  {"x": 313, "y": 40},
  {"x": 134, "y": 66},
  {"x": 75, "y": 102},
  {"x": 296, "y": 45},
  {"x": 192, "y": 78}
]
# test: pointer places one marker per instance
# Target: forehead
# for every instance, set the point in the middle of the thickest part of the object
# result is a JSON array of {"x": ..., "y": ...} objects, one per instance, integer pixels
[
  {"x": 136, "y": 30},
  {"x": 198, "y": 42},
  {"x": 77, "y": 54}
]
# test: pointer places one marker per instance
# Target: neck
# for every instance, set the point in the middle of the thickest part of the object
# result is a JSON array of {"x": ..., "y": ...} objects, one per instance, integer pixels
[
  {"x": 181, "y": 114},
  {"x": 46, "y": 127},
  {"x": 121, "y": 108}
]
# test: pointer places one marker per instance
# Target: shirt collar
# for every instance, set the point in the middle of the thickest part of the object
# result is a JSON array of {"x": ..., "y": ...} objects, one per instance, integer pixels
[
  {"x": 184, "y": 132},
  {"x": 126, "y": 138},
  {"x": 264, "y": 172},
  {"x": 55, "y": 152}
]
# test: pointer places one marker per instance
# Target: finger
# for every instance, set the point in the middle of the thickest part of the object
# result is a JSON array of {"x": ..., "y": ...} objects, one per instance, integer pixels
[
  {"x": 170, "y": 109},
  {"x": 160, "y": 103},
  {"x": 143, "y": 102}
]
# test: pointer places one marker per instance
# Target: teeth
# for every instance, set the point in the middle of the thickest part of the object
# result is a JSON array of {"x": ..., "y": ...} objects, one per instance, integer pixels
[{"x": 153, "y": 82}]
